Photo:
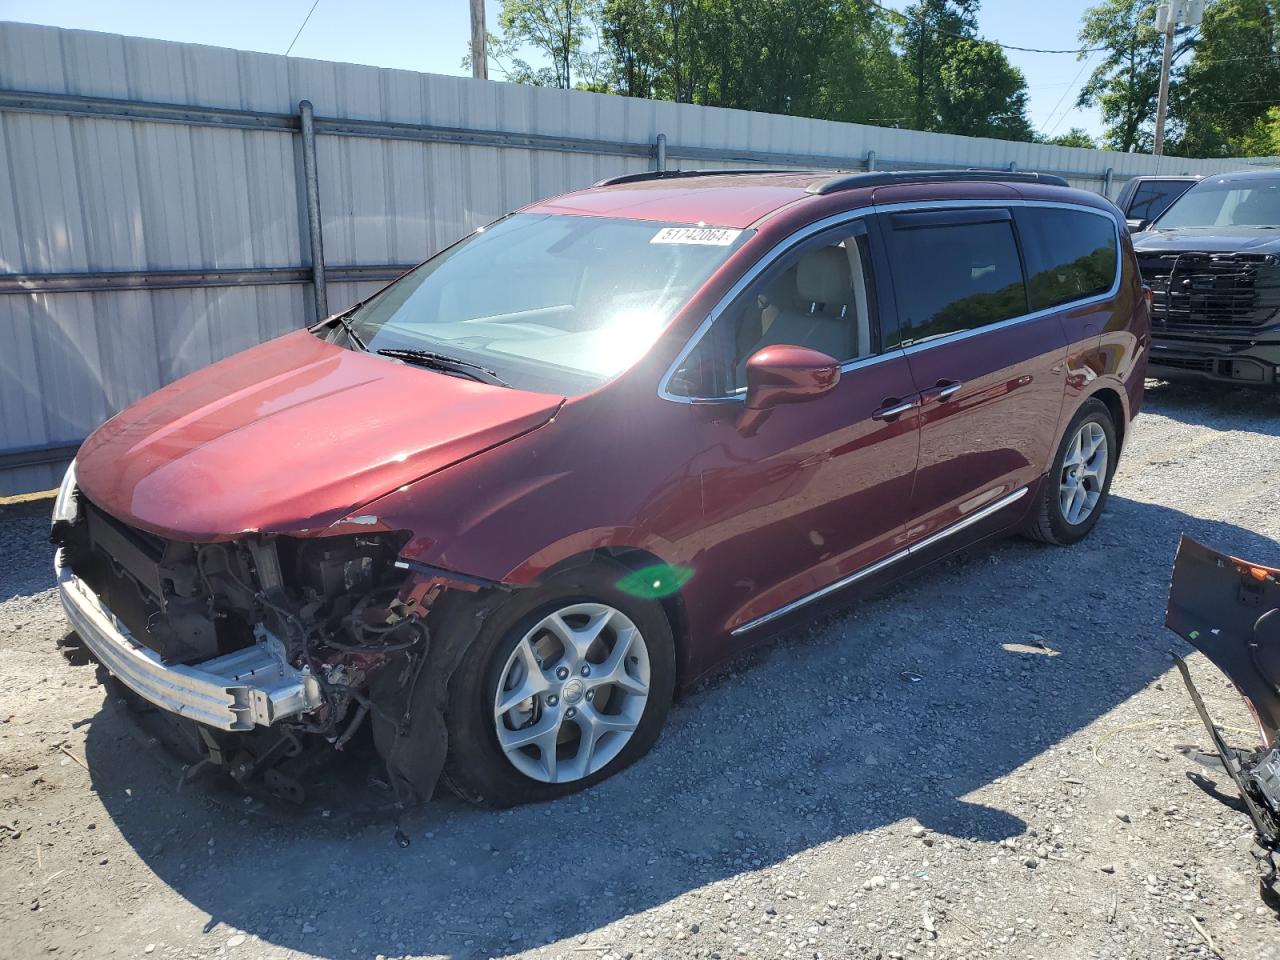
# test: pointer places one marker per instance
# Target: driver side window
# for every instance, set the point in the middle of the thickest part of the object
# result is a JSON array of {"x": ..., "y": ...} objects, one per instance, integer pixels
[{"x": 817, "y": 295}]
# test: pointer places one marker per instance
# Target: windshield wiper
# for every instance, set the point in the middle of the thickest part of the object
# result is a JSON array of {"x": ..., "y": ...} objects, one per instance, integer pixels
[
  {"x": 351, "y": 333},
  {"x": 447, "y": 364}
]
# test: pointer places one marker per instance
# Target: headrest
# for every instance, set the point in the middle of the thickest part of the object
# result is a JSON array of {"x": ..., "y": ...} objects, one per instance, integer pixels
[
  {"x": 822, "y": 276},
  {"x": 1261, "y": 207}
]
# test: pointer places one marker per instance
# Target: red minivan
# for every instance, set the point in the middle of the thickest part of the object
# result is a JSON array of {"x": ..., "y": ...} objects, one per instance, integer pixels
[{"x": 501, "y": 511}]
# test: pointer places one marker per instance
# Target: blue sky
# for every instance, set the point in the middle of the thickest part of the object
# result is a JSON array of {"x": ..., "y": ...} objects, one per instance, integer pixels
[{"x": 432, "y": 35}]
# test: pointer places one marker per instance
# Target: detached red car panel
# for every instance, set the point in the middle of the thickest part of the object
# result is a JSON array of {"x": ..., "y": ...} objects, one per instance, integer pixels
[{"x": 504, "y": 508}]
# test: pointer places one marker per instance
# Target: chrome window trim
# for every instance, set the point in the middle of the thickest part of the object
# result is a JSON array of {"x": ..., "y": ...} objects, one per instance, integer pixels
[
  {"x": 914, "y": 348},
  {"x": 849, "y": 216},
  {"x": 864, "y": 572}
]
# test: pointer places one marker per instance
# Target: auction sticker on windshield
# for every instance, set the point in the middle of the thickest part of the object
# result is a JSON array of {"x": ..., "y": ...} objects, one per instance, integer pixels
[{"x": 706, "y": 236}]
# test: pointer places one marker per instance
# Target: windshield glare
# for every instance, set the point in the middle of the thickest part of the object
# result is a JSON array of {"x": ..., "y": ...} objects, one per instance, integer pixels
[
  {"x": 551, "y": 303},
  {"x": 1226, "y": 203}
]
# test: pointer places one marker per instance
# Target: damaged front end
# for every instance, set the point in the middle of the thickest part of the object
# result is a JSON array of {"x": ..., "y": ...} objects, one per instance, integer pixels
[
  {"x": 1229, "y": 610},
  {"x": 269, "y": 644}
]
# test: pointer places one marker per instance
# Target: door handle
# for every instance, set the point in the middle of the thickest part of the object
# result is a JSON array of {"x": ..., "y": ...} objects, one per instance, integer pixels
[
  {"x": 943, "y": 391},
  {"x": 893, "y": 409}
]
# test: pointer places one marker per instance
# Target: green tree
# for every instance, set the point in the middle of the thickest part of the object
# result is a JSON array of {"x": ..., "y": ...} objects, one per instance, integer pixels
[
  {"x": 751, "y": 54},
  {"x": 1223, "y": 97},
  {"x": 776, "y": 51},
  {"x": 980, "y": 94},
  {"x": 1126, "y": 83},
  {"x": 961, "y": 84},
  {"x": 1264, "y": 139},
  {"x": 863, "y": 78},
  {"x": 1075, "y": 137},
  {"x": 929, "y": 31},
  {"x": 632, "y": 40},
  {"x": 556, "y": 29},
  {"x": 662, "y": 48},
  {"x": 835, "y": 59}
]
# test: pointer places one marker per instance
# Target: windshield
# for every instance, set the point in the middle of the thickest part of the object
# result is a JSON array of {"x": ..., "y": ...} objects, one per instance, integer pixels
[
  {"x": 1224, "y": 202},
  {"x": 550, "y": 303}
]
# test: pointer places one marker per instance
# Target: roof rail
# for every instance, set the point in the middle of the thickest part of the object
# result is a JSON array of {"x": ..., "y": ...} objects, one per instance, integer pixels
[
  {"x": 677, "y": 174},
  {"x": 853, "y": 181}
]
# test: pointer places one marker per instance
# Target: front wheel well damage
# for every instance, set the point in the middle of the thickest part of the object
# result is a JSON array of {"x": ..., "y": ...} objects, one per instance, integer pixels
[{"x": 415, "y": 749}]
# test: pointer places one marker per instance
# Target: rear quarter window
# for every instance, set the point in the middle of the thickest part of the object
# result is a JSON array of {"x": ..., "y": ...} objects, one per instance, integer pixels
[
  {"x": 1153, "y": 197},
  {"x": 1071, "y": 254}
]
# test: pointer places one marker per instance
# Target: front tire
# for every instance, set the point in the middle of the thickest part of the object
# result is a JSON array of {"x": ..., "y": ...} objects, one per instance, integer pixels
[
  {"x": 565, "y": 685},
  {"x": 1079, "y": 481}
]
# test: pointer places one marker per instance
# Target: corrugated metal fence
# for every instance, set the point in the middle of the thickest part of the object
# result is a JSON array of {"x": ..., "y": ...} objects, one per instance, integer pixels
[{"x": 154, "y": 211}]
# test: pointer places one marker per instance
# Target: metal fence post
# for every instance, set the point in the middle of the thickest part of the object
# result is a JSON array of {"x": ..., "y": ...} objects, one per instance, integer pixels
[
  {"x": 871, "y": 161},
  {"x": 660, "y": 152},
  {"x": 314, "y": 227},
  {"x": 1106, "y": 182}
]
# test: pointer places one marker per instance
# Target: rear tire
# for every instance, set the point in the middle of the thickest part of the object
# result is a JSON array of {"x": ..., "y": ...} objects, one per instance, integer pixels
[
  {"x": 1076, "y": 489},
  {"x": 580, "y": 726}
]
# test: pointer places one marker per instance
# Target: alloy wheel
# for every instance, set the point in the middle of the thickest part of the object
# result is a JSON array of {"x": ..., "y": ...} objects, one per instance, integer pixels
[
  {"x": 1084, "y": 473},
  {"x": 572, "y": 693}
]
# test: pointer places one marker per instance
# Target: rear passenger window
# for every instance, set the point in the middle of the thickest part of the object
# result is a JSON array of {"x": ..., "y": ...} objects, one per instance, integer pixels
[
  {"x": 1071, "y": 255},
  {"x": 954, "y": 271}
]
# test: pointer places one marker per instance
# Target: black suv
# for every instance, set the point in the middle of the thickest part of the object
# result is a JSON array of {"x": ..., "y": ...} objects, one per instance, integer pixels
[{"x": 1213, "y": 262}]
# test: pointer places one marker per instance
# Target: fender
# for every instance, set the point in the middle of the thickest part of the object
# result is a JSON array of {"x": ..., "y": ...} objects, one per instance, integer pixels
[{"x": 517, "y": 510}]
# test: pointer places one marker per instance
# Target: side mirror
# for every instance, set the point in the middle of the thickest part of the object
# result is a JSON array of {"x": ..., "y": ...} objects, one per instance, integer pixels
[
  {"x": 784, "y": 374},
  {"x": 1138, "y": 226}
]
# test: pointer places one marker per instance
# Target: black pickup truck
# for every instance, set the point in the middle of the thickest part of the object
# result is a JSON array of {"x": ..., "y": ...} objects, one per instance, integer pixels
[{"x": 1213, "y": 262}]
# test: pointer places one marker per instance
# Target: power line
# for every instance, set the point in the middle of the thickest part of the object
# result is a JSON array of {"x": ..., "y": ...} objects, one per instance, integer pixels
[
  {"x": 305, "y": 20},
  {"x": 1262, "y": 56},
  {"x": 962, "y": 36},
  {"x": 1069, "y": 89}
]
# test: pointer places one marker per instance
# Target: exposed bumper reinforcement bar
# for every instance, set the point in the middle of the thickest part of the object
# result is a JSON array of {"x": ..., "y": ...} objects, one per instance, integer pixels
[{"x": 238, "y": 691}]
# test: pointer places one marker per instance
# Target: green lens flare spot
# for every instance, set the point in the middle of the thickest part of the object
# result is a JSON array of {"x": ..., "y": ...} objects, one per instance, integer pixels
[{"x": 658, "y": 580}]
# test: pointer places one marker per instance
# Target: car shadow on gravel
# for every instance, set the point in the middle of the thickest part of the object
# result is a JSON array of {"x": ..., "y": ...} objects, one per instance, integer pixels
[{"x": 896, "y": 709}]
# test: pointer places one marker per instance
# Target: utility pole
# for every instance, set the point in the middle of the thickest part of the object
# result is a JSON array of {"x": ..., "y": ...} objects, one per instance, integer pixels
[
  {"x": 479, "y": 56},
  {"x": 1168, "y": 16}
]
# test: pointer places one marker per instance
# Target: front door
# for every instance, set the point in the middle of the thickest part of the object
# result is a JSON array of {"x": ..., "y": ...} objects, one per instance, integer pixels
[
  {"x": 989, "y": 372},
  {"x": 820, "y": 488}
]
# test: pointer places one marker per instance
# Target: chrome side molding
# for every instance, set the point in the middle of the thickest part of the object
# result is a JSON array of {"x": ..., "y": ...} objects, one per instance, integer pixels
[{"x": 864, "y": 572}]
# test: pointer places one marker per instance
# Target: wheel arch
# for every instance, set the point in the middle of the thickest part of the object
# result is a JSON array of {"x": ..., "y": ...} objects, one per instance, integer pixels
[
  {"x": 1114, "y": 402},
  {"x": 673, "y": 603},
  {"x": 1110, "y": 395}
]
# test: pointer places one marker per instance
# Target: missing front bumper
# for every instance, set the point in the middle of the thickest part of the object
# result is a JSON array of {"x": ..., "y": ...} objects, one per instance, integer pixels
[{"x": 239, "y": 691}]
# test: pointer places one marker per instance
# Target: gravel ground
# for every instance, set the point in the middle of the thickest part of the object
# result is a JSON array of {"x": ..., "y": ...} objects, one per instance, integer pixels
[{"x": 1025, "y": 797}]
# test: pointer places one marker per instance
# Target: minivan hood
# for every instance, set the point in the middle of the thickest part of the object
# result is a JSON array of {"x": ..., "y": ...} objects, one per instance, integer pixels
[
  {"x": 1209, "y": 240},
  {"x": 290, "y": 436}
]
